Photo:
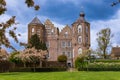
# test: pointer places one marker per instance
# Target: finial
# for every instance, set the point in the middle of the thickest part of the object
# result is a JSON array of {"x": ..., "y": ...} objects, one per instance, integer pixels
[
  {"x": 82, "y": 12},
  {"x": 82, "y": 8}
]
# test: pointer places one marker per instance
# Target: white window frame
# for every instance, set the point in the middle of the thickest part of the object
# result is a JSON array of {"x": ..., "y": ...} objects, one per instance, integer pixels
[
  {"x": 48, "y": 44},
  {"x": 33, "y": 30},
  {"x": 63, "y": 44},
  {"x": 80, "y": 51},
  {"x": 79, "y": 39},
  {"x": 79, "y": 29},
  {"x": 69, "y": 54},
  {"x": 69, "y": 44}
]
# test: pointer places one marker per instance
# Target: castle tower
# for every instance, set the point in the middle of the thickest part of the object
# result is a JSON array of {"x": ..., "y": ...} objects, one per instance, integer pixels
[
  {"x": 36, "y": 27},
  {"x": 81, "y": 36}
]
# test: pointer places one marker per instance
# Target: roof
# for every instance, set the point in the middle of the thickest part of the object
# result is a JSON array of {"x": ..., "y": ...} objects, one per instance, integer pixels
[
  {"x": 116, "y": 51},
  {"x": 81, "y": 18},
  {"x": 35, "y": 21}
]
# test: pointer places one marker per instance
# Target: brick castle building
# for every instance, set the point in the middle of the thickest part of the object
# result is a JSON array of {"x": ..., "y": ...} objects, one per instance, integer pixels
[{"x": 71, "y": 41}]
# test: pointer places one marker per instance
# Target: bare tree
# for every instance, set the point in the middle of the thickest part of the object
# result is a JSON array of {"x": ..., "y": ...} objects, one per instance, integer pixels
[{"x": 104, "y": 40}]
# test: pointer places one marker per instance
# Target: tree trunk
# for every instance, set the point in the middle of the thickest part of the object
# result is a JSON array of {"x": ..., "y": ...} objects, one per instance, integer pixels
[
  {"x": 34, "y": 67},
  {"x": 40, "y": 63},
  {"x": 24, "y": 64},
  {"x": 104, "y": 54}
]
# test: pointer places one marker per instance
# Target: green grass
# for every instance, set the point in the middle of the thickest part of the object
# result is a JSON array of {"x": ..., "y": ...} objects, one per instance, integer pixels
[{"x": 60, "y": 76}]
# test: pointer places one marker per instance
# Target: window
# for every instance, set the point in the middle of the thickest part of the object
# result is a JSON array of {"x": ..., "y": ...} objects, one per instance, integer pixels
[
  {"x": 79, "y": 29},
  {"x": 79, "y": 39},
  {"x": 48, "y": 44},
  {"x": 86, "y": 29},
  {"x": 52, "y": 30},
  {"x": 63, "y": 44},
  {"x": 63, "y": 53},
  {"x": 48, "y": 55},
  {"x": 38, "y": 32},
  {"x": 69, "y": 44},
  {"x": 69, "y": 55},
  {"x": 79, "y": 51},
  {"x": 86, "y": 39},
  {"x": 33, "y": 30},
  {"x": 66, "y": 34},
  {"x": 48, "y": 29}
]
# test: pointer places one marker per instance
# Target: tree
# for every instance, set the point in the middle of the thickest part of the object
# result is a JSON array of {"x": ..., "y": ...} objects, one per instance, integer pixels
[
  {"x": 62, "y": 58},
  {"x": 115, "y": 3},
  {"x": 7, "y": 26},
  {"x": 104, "y": 40},
  {"x": 13, "y": 57},
  {"x": 32, "y": 55},
  {"x": 35, "y": 42}
]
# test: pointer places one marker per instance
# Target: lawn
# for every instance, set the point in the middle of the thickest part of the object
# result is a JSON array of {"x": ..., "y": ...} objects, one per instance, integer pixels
[{"x": 60, "y": 76}]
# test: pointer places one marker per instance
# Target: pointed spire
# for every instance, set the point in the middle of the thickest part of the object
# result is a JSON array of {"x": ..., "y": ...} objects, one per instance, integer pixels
[{"x": 35, "y": 21}]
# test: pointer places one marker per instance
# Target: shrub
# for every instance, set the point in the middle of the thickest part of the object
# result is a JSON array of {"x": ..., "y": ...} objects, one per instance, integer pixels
[
  {"x": 80, "y": 62},
  {"x": 107, "y": 61},
  {"x": 13, "y": 57},
  {"x": 62, "y": 58},
  {"x": 102, "y": 67}
]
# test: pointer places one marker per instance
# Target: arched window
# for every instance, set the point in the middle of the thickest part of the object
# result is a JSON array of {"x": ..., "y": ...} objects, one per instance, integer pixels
[
  {"x": 66, "y": 34},
  {"x": 80, "y": 51},
  {"x": 79, "y": 29},
  {"x": 33, "y": 30},
  {"x": 80, "y": 39}
]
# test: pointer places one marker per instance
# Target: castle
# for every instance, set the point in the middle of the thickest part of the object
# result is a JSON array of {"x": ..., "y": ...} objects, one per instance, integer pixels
[{"x": 71, "y": 41}]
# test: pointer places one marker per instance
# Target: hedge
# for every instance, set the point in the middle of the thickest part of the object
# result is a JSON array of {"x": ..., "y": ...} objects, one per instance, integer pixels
[
  {"x": 101, "y": 67},
  {"x": 28, "y": 69},
  {"x": 107, "y": 61}
]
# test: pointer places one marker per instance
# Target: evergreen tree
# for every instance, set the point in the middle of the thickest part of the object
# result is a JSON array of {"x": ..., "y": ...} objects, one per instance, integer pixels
[{"x": 35, "y": 42}]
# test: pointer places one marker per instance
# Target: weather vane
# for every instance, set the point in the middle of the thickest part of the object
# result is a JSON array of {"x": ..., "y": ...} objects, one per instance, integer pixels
[{"x": 82, "y": 9}]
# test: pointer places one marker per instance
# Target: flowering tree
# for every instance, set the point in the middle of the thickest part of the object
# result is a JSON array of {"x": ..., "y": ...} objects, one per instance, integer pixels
[{"x": 32, "y": 55}]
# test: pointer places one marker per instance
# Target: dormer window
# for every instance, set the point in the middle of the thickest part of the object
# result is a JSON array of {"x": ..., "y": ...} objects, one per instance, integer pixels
[{"x": 79, "y": 29}]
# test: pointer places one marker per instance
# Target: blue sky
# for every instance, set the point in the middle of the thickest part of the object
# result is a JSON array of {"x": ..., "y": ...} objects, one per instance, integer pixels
[{"x": 99, "y": 14}]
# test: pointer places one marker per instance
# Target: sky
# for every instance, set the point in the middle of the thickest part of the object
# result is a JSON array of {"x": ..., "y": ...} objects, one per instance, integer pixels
[{"x": 98, "y": 13}]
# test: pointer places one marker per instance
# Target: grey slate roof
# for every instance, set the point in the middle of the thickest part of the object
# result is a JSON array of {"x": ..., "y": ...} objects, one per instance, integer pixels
[{"x": 35, "y": 21}]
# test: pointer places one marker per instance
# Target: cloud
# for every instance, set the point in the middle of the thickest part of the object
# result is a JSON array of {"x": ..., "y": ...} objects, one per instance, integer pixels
[
  {"x": 60, "y": 26},
  {"x": 4, "y": 18},
  {"x": 113, "y": 24}
]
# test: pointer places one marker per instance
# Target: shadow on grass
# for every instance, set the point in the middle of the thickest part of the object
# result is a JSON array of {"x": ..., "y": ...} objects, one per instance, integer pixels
[{"x": 11, "y": 73}]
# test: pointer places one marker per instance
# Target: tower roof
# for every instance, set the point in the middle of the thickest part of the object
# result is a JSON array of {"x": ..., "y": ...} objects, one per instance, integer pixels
[
  {"x": 81, "y": 18},
  {"x": 35, "y": 21}
]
